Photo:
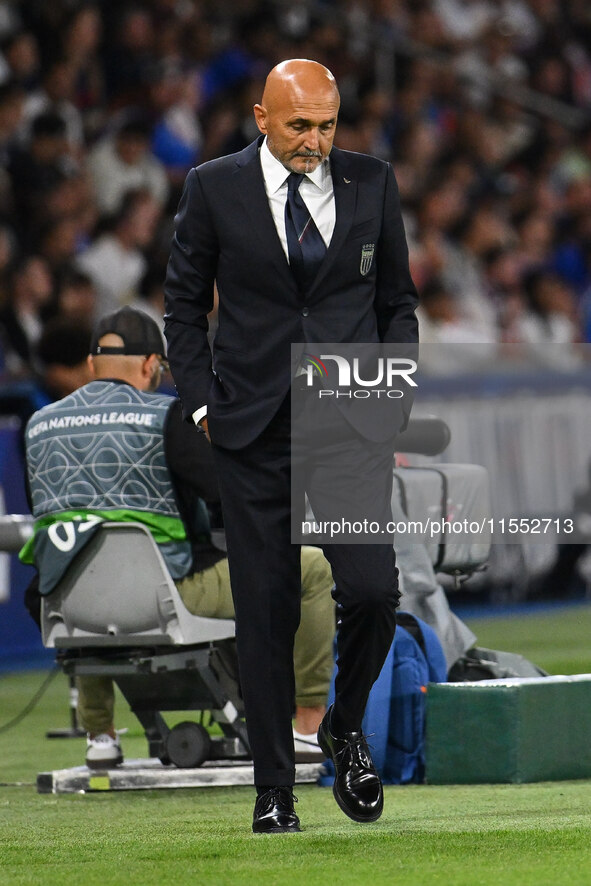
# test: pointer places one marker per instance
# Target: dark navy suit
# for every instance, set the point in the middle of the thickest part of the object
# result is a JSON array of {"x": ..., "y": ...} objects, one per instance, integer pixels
[{"x": 225, "y": 233}]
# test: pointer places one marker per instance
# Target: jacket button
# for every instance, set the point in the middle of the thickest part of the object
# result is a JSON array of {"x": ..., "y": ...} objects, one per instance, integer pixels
[{"x": 305, "y": 312}]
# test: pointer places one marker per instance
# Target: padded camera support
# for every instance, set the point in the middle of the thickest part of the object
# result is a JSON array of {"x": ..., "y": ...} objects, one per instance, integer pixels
[
  {"x": 116, "y": 612},
  {"x": 516, "y": 730}
]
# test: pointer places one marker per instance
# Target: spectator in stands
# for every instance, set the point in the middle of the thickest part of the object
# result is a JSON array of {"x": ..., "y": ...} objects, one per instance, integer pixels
[
  {"x": 550, "y": 325},
  {"x": 464, "y": 21},
  {"x": 62, "y": 358},
  {"x": 38, "y": 168},
  {"x": 492, "y": 60},
  {"x": 123, "y": 162},
  {"x": 30, "y": 287},
  {"x": 12, "y": 96},
  {"x": 536, "y": 235},
  {"x": 56, "y": 95},
  {"x": 245, "y": 130},
  {"x": 21, "y": 54},
  {"x": 115, "y": 261},
  {"x": 176, "y": 135},
  {"x": 129, "y": 55},
  {"x": 76, "y": 297},
  {"x": 463, "y": 273},
  {"x": 189, "y": 69},
  {"x": 441, "y": 323},
  {"x": 58, "y": 242},
  {"x": 169, "y": 485},
  {"x": 7, "y": 256},
  {"x": 151, "y": 294},
  {"x": 80, "y": 34}
]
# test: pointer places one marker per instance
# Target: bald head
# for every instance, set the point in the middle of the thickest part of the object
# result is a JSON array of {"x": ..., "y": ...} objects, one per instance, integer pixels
[
  {"x": 298, "y": 113},
  {"x": 299, "y": 79}
]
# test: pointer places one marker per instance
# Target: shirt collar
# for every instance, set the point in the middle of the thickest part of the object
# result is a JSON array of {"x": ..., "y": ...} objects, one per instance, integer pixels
[{"x": 275, "y": 174}]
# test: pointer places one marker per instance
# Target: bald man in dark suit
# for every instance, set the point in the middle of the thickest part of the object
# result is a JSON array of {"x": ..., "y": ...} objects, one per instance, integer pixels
[{"x": 340, "y": 275}]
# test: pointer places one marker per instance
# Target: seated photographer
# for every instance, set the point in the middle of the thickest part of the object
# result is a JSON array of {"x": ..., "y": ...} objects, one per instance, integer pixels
[{"x": 115, "y": 450}]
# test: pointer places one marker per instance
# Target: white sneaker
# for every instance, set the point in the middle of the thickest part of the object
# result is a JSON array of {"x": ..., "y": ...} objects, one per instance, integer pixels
[
  {"x": 103, "y": 751},
  {"x": 307, "y": 749}
]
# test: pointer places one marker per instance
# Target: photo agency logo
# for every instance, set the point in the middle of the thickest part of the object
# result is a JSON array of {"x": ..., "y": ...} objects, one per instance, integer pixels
[{"x": 359, "y": 378}]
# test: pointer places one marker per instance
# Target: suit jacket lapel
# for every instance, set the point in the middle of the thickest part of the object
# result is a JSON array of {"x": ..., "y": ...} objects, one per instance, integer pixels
[
  {"x": 254, "y": 199},
  {"x": 345, "y": 195}
]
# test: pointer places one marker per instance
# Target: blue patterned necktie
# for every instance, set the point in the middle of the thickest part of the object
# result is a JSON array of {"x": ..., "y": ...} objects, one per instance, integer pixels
[{"x": 305, "y": 245}]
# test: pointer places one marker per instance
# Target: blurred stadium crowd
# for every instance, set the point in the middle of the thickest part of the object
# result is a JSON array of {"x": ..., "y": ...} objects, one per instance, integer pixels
[{"x": 483, "y": 107}]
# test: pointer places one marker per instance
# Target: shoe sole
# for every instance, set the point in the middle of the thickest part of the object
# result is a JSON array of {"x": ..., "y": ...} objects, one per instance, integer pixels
[
  {"x": 104, "y": 764},
  {"x": 278, "y": 831},
  {"x": 360, "y": 819}
]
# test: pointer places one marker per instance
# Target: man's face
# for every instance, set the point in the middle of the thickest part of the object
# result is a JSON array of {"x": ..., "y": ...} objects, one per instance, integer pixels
[
  {"x": 300, "y": 127},
  {"x": 132, "y": 149}
]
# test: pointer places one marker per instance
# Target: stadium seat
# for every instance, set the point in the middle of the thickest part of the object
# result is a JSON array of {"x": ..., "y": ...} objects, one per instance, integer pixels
[
  {"x": 118, "y": 591},
  {"x": 116, "y": 612}
]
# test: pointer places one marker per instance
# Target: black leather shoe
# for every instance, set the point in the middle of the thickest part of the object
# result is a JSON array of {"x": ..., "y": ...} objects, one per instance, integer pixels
[
  {"x": 357, "y": 786},
  {"x": 274, "y": 813}
]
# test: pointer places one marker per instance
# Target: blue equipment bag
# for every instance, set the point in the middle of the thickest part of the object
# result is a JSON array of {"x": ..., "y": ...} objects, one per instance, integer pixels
[
  {"x": 418, "y": 660},
  {"x": 395, "y": 713}
]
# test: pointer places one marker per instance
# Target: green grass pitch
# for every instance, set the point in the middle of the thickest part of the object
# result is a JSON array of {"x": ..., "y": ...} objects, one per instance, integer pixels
[{"x": 477, "y": 835}]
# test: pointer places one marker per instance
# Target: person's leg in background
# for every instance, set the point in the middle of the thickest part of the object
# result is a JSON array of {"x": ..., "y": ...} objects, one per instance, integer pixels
[
  {"x": 96, "y": 702},
  {"x": 313, "y": 650},
  {"x": 96, "y": 706},
  {"x": 209, "y": 594}
]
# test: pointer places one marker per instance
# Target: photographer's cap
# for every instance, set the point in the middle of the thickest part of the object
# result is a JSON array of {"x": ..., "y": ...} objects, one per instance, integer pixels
[{"x": 141, "y": 335}]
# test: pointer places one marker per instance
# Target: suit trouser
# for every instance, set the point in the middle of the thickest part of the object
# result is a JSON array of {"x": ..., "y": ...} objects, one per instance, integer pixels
[
  {"x": 208, "y": 593},
  {"x": 255, "y": 489}
]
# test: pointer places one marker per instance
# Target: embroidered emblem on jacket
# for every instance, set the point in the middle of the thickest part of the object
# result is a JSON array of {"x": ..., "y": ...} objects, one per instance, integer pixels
[{"x": 367, "y": 251}]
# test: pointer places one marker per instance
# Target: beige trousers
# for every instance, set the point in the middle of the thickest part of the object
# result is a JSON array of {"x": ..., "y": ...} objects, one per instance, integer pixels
[{"x": 208, "y": 593}]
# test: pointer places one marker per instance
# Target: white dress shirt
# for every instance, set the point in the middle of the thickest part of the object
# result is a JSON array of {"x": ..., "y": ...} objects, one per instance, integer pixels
[
  {"x": 315, "y": 189},
  {"x": 317, "y": 193}
]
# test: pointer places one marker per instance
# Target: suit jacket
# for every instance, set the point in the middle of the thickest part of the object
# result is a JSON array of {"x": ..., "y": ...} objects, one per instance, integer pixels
[{"x": 225, "y": 233}]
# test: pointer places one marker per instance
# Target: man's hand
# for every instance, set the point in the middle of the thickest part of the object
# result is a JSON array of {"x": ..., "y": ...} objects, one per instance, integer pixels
[{"x": 203, "y": 424}]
